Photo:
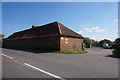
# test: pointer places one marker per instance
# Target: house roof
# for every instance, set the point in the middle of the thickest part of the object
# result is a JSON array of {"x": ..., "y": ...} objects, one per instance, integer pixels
[{"x": 54, "y": 28}]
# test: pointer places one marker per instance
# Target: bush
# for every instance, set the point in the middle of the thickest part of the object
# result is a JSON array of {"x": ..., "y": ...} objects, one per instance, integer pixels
[
  {"x": 95, "y": 43},
  {"x": 116, "y": 52}
]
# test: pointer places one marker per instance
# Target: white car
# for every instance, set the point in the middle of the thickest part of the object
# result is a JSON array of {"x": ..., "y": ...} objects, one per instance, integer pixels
[{"x": 105, "y": 45}]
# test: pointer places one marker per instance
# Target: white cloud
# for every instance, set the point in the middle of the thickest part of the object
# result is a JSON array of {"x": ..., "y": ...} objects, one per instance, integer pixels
[
  {"x": 95, "y": 29},
  {"x": 99, "y": 38},
  {"x": 116, "y": 20},
  {"x": 91, "y": 29},
  {"x": 100, "y": 30},
  {"x": 118, "y": 29},
  {"x": 80, "y": 32},
  {"x": 111, "y": 37}
]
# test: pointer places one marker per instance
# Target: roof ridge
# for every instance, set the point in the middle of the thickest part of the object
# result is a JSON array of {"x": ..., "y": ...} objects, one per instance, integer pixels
[
  {"x": 51, "y": 28},
  {"x": 59, "y": 27},
  {"x": 63, "y": 32},
  {"x": 68, "y": 28},
  {"x": 47, "y": 24}
]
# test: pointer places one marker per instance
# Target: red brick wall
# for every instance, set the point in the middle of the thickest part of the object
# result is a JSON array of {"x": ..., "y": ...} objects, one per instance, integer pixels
[
  {"x": 73, "y": 44},
  {"x": 48, "y": 42}
]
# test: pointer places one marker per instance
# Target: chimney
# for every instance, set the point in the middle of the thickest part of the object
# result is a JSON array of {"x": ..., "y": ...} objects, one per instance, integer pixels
[{"x": 33, "y": 26}]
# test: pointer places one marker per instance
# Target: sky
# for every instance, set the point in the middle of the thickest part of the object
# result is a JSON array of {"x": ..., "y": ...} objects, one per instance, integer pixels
[{"x": 96, "y": 20}]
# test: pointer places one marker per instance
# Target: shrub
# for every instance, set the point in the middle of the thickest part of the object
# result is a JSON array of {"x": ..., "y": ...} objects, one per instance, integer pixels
[{"x": 117, "y": 48}]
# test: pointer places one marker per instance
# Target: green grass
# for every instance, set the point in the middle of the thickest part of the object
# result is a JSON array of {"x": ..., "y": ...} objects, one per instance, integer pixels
[
  {"x": 113, "y": 49},
  {"x": 71, "y": 52}
]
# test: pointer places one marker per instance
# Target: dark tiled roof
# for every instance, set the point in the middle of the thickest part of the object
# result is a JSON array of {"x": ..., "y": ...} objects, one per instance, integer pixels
[
  {"x": 68, "y": 32},
  {"x": 54, "y": 28}
]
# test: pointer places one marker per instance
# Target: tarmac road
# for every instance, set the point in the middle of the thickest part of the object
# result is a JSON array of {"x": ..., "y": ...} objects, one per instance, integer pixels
[{"x": 94, "y": 64}]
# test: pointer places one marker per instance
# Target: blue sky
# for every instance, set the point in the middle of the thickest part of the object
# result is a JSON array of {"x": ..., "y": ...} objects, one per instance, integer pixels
[{"x": 97, "y": 20}]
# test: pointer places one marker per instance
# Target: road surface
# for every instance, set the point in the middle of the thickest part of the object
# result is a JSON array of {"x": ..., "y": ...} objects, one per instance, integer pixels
[{"x": 94, "y": 64}]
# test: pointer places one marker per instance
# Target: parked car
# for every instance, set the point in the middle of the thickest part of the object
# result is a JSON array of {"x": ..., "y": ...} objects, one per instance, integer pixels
[{"x": 105, "y": 45}]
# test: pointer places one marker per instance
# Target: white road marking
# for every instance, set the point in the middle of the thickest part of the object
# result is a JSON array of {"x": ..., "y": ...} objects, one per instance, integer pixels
[
  {"x": 7, "y": 56},
  {"x": 15, "y": 61},
  {"x": 36, "y": 68},
  {"x": 44, "y": 71}
]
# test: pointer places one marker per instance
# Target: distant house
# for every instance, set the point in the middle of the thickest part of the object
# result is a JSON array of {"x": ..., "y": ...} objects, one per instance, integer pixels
[{"x": 54, "y": 36}]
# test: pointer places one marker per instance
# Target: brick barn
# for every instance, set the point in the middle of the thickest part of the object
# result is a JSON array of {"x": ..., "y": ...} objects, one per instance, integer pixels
[{"x": 54, "y": 36}]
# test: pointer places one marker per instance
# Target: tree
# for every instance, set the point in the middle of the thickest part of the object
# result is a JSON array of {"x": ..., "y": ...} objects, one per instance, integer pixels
[
  {"x": 117, "y": 43},
  {"x": 95, "y": 43},
  {"x": 105, "y": 41},
  {"x": 1, "y": 35},
  {"x": 87, "y": 41},
  {"x": 117, "y": 47}
]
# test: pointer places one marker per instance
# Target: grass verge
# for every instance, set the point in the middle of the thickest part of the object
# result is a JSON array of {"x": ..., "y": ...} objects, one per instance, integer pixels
[
  {"x": 113, "y": 49},
  {"x": 71, "y": 52}
]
